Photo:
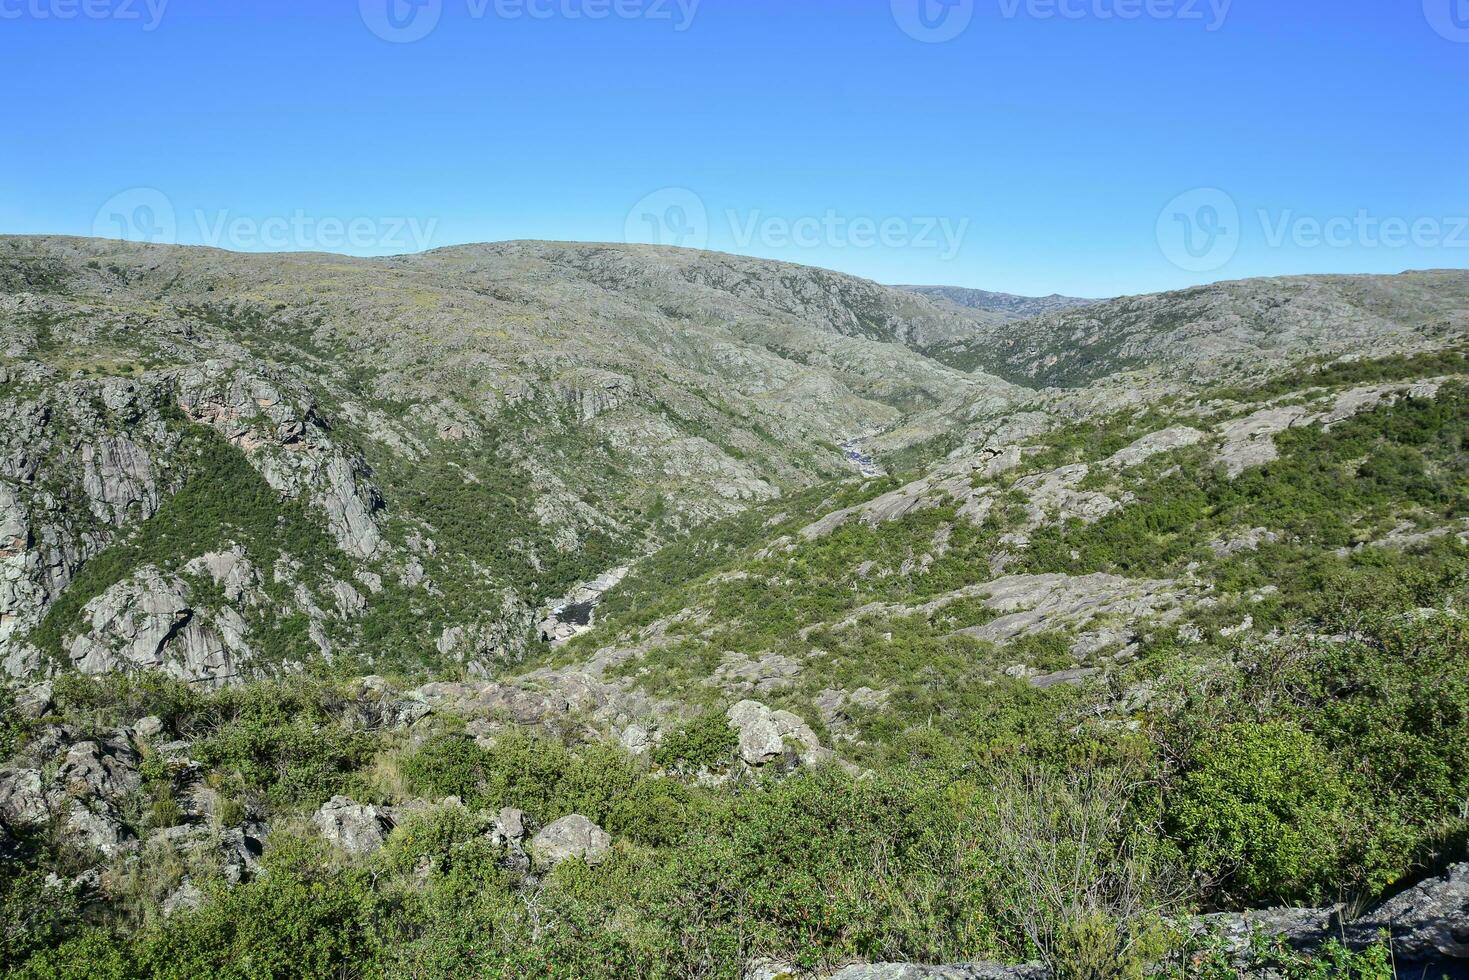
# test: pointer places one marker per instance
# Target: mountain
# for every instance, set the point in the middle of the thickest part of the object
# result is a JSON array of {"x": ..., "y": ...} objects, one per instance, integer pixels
[
  {"x": 1007, "y": 305},
  {"x": 1223, "y": 328},
  {"x": 601, "y": 611}
]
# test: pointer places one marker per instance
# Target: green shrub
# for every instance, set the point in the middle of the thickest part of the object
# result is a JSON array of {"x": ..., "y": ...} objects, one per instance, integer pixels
[
  {"x": 301, "y": 920},
  {"x": 92, "y": 955},
  {"x": 294, "y": 758},
  {"x": 707, "y": 742},
  {"x": 445, "y": 840},
  {"x": 657, "y": 812},
  {"x": 1263, "y": 810}
]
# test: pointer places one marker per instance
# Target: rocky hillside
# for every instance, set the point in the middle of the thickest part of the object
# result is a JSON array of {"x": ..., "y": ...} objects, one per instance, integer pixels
[
  {"x": 607, "y": 611},
  {"x": 458, "y": 437},
  {"x": 1006, "y": 305},
  {"x": 1223, "y": 329}
]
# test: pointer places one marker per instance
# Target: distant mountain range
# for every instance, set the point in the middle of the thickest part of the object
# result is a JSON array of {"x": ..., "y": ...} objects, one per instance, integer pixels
[{"x": 1008, "y": 304}]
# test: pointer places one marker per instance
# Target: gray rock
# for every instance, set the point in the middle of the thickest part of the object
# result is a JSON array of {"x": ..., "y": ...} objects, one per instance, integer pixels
[
  {"x": 118, "y": 478},
  {"x": 767, "y": 736},
  {"x": 233, "y": 572},
  {"x": 636, "y": 739},
  {"x": 570, "y": 838},
  {"x": 149, "y": 728},
  {"x": 740, "y": 674},
  {"x": 234, "y": 851},
  {"x": 148, "y": 622},
  {"x": 1300, "y": 928},
  {"x": 106, "y": 770},
  {"x": 1428, "y": 921},
  {"x": 95, "y": 824},
  {"x": 1056, "y": 497},
  {"x": 33, "y": 701},
  {"x": 1032, "y": 604},
  {"x": 1250, "y": 441},
  {"x": 510, "y": 824},
  {"x": 355, "y": 828},
  {"x": 186, "y": 898},
  {"x": 22, "y": 800},
  {"x": 1177, "y": 437},
  {"x": 1250, "y": 540}
]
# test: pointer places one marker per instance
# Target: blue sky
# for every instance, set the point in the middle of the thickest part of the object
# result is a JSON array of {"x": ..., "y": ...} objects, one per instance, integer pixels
[{"x": 1092, "y": 153}]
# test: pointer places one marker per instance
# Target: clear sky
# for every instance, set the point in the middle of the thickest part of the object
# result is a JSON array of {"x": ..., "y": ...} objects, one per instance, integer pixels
[{"x": 1090, "y": 147}]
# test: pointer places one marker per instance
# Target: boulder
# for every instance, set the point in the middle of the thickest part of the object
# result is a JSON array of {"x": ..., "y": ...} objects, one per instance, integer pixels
[
  {"x": 767, "y": 736},
  {"x": 1428, "y": 923},
  {"x": 234, "y": 851},
  {"x": 104, "y": 770},
  {"x": 570, "y": 838},
  {"x": 96, "y": 825},
  {"x": 34, "y": 701},
  {"x": 509, "y": 825},
  {"x": 148, "y": 728},
  {"x": 355, "y": 828}
]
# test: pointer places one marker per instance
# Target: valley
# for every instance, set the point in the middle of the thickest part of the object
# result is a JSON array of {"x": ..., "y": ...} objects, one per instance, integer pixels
[{"x": 586, "y": 610}]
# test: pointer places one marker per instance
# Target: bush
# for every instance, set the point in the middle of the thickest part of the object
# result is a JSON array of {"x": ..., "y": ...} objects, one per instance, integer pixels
[
  {"x": 656, "y": 812},
  {"x": 707, "y": 742},
  {"x": 302, "y": 920},
  {"x": 1084, "y": 881},
  {"x": 1263, "y": 811},
  {"x": 446, "y": 840},
  {"x": 296, "y": 758}
]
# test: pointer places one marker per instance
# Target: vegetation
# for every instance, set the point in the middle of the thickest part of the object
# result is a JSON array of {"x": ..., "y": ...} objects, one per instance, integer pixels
[{"x": 1317, "y": 753}]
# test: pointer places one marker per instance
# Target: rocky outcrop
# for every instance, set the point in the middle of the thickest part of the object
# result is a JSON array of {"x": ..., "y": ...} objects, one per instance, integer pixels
[
  {"x": 1427, "y": 924},
  {"x": 77, "y": 786},
  {"x": 570, "y": 838},
  {"x": 1057, "y": 497},
  {"x": 767, "y": 736},
  {"x": 118, "y": 478},
  {"x": 1032, "y": 604},
  {"x": 276, "y": 423},
  {"x": 740, "y": 674},
  {"x": 1156, "y": 443},
  {"x": 959, "y": 481},
  {"x": 355, "y": 828},
  {"x": 148, "y": 622},
  {"x": 22, "y": 799},
  {"x": 1250, "y": 441},
  {"x": 78, "y": 462}
]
